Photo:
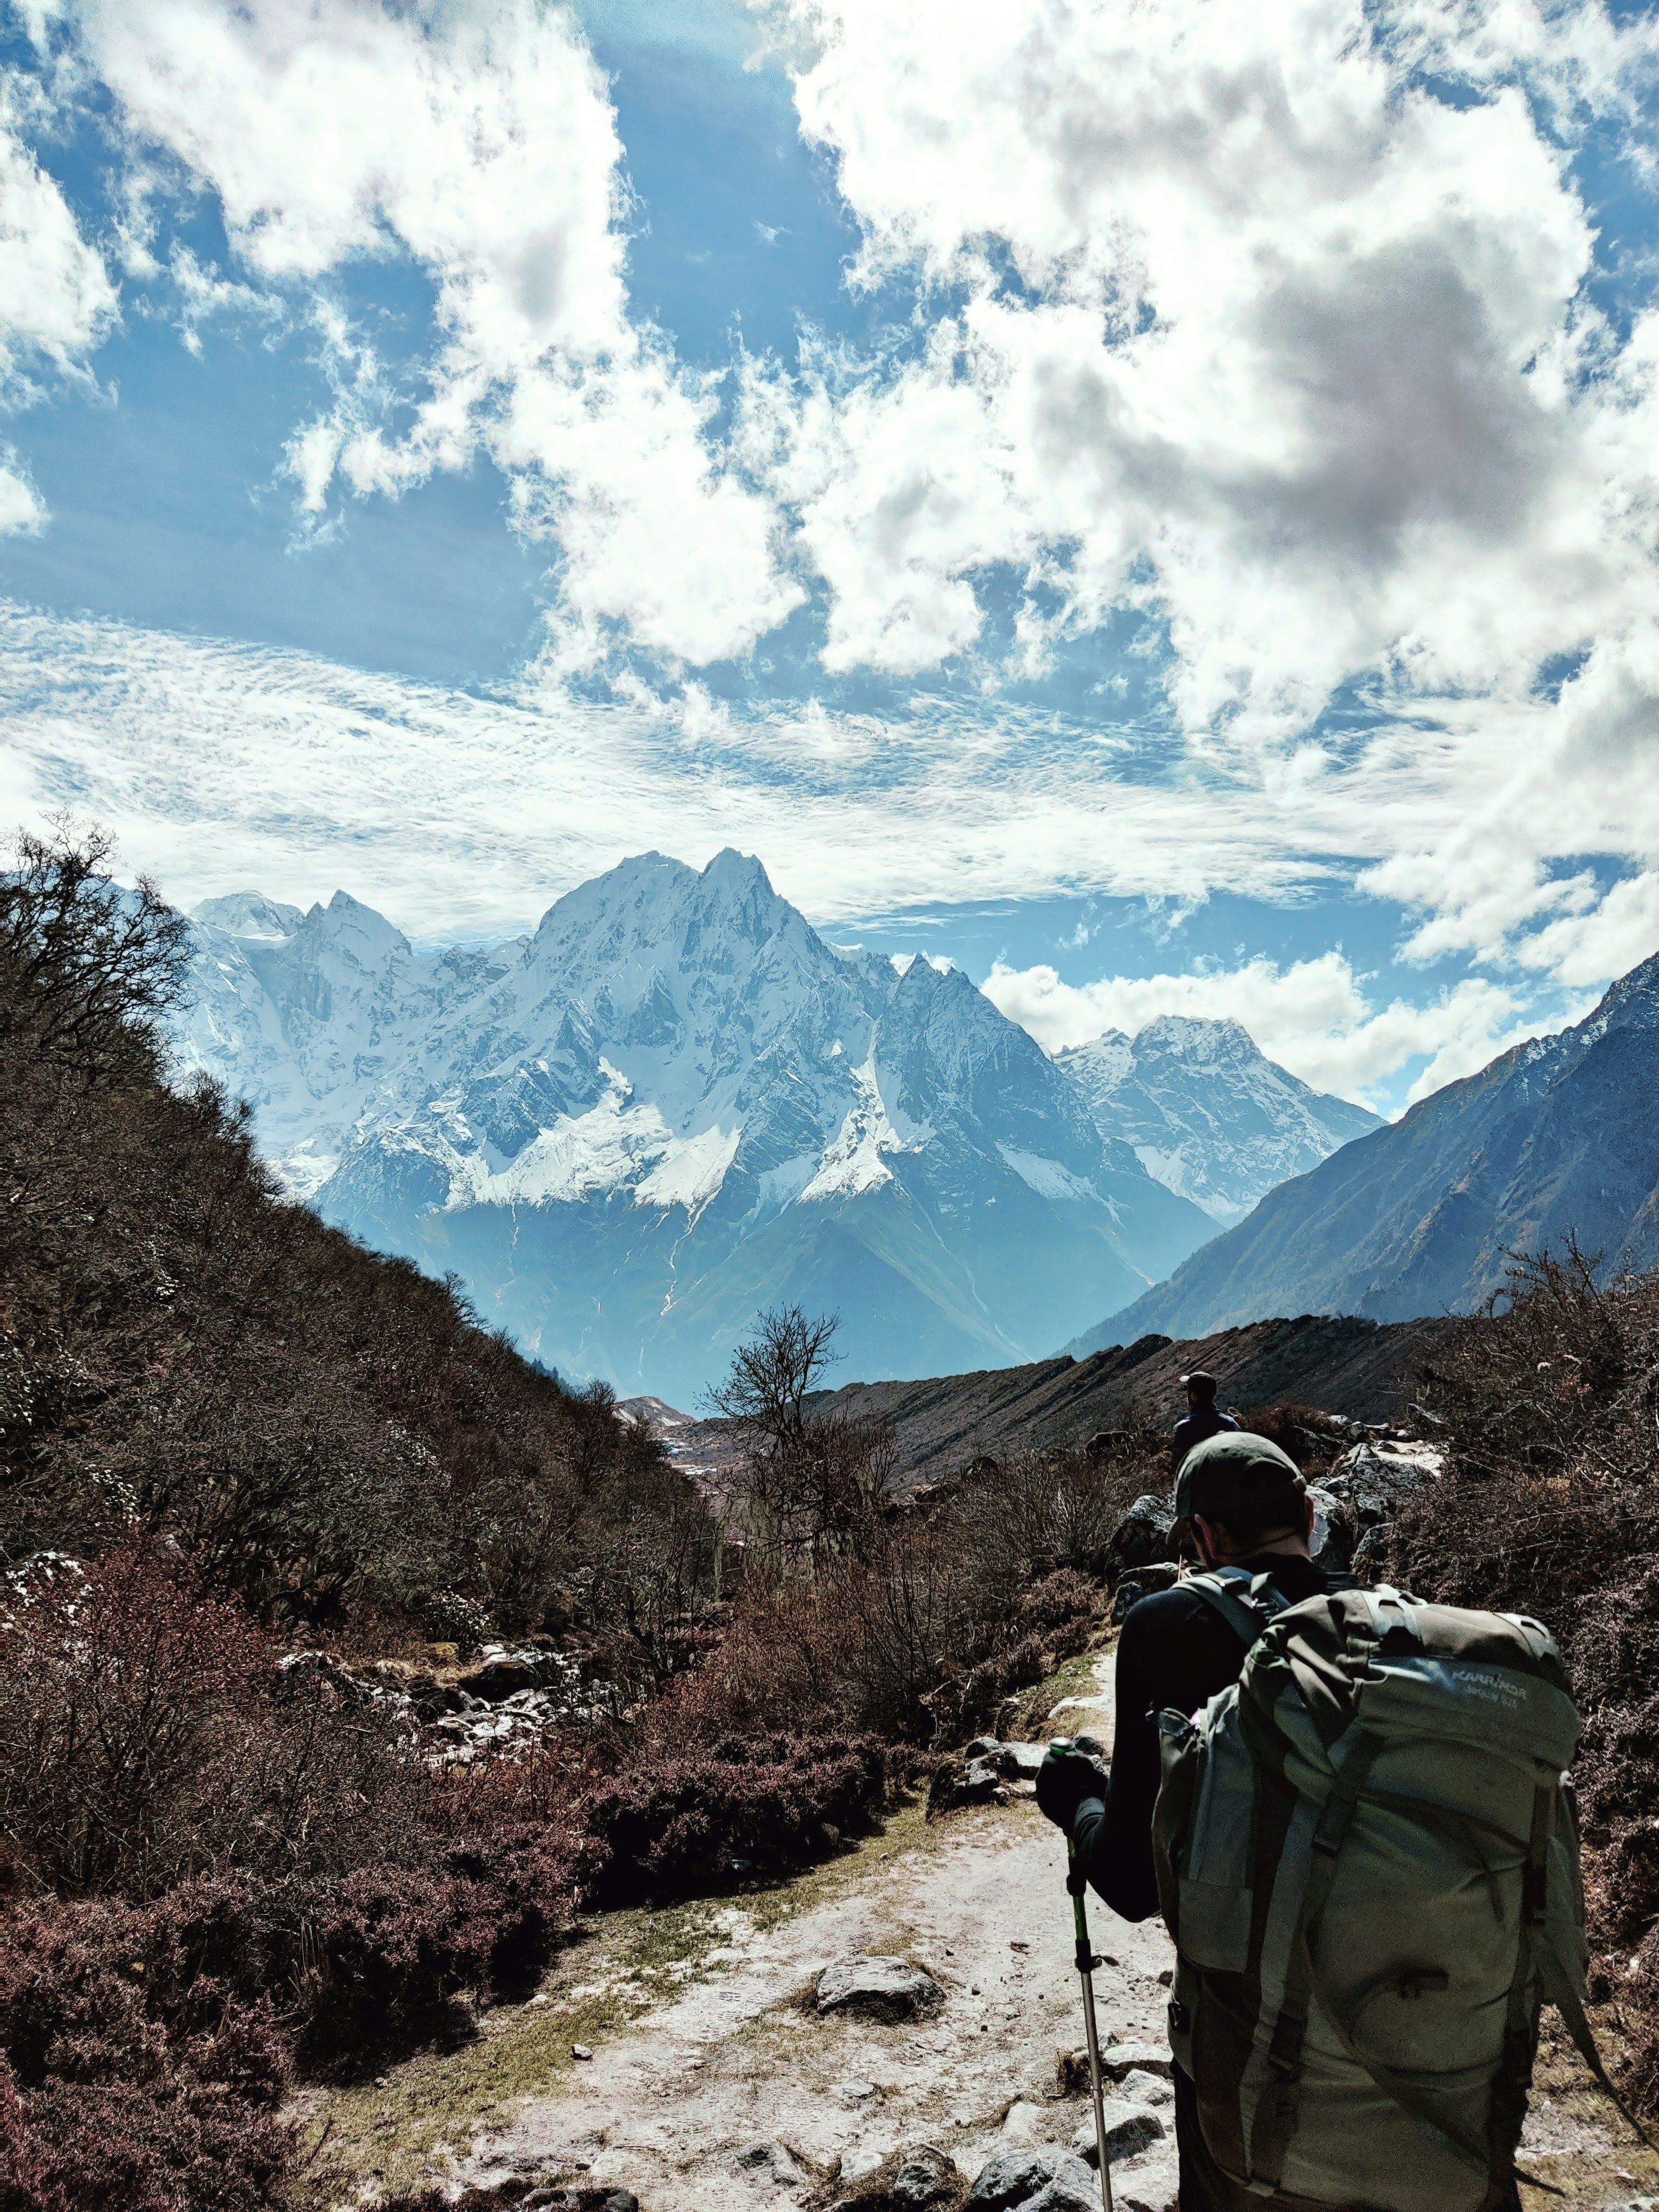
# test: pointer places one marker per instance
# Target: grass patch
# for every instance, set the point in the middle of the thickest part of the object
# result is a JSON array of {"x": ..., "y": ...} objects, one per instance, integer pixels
[
  {"x": 1594, "y": 2147},
  {"x": 1072, "y": 1678},
  {"x": 388, "y": 2133}
]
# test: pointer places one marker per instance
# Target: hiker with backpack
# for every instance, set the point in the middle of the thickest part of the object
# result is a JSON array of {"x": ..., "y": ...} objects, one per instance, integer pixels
[
  {"x": 1350, "y": 1809},
  {"x": 1203, "y": 1417}
]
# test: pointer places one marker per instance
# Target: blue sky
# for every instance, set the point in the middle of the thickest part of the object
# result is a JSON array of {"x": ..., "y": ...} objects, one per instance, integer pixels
[{"x": 1158, "y": 506}]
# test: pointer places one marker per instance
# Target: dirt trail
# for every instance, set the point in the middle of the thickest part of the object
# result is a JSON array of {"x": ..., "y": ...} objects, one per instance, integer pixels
[{"x": 732, "y": 2092}]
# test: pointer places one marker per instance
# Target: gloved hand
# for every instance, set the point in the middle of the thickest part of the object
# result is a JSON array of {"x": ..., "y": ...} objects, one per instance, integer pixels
[{"x": 1066, "y": 1777}]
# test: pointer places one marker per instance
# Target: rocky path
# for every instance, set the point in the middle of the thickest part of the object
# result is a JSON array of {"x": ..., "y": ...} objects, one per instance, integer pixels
[{"x": 728, "y": 2091}]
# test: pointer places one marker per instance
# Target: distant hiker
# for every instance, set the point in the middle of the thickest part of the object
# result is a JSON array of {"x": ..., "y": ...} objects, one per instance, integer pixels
[
  {"x": 1200, "y": 1419},
  {"x": 1364, "y": 1853}
]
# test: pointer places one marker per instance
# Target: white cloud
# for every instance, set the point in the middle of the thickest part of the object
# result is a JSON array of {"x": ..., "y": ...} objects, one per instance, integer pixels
[
  {"x": 1607, "y": 937},
  {"x": 1233, "y": 315},
  {"x": 57, "y": 300},
  {"x": 1291, "y": 358},
  {"x": 1313, "y": 1016},
  {"x": 477, "y": 139},
  {"x": 222, "y": 768},
  {"x": 1218, "y": 312},
  {"x": 22, "y": 508}
]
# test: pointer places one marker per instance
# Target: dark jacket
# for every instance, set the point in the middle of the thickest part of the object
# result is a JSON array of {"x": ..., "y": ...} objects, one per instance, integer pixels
[
  {"x": 1191, "y": 1429},
  {"x": 1175, "y": 1652}
]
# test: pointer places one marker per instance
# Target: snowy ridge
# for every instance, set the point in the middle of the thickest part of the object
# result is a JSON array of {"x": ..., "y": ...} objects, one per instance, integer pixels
[
  {"x": 1207, "y": 1113},
  {"x": 670, "y": 1104}
]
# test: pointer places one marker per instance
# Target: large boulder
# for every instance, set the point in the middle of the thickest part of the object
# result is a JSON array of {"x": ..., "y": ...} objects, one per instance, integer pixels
[
  {"x": 891, "y": 1989},
  {"x": 921, "y": 2178},
  {"x": 1375, "y": 1478},
  {"x": 1152, "y": 2185},
  {"x": 924, "y": 2177},
  {"x": 967, "y": 1780},
  {"x": 1336, "y": 1531},
  {"x": 1142, "y": 1536},
  {"x": 1014, "y": 1762},
  {"x": 504, "y": 1670},
  {"x": 1118, "y": 2061},
  {"x": 1141, "y": 2086},
  {"x": 770, "y": 2162}
]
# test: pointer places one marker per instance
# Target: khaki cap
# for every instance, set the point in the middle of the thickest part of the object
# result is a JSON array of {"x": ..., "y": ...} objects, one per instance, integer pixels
[{"x": 1235, "y": 1469}]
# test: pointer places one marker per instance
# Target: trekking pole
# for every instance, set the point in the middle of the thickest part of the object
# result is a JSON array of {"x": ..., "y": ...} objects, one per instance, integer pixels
[{"x": 1086, "y": 1963}]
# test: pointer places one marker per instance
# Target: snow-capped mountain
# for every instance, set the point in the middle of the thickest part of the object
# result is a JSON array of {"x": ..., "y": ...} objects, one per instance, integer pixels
[
  {"x": 672, "y": 1105},
  {"x": 1555, "y": 1139},
  {"x": 1207, "y": 1113}
]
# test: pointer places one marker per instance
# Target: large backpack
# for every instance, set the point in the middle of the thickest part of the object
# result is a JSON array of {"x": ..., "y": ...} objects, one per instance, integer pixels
[{"x": 1368, "y": 1858}]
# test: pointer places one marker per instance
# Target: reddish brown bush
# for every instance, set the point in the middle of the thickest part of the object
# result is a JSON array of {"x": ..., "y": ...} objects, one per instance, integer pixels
[
  {"x": 27, "y": 2181},
  {"x": 675, "y": 1826},
  {"x": 396, "y": 1946},
  {"x": 147, "y": 1735},
  {"x": 1055, "y": 1617},
  {"x": 1550, "y": 1405},
  {"x": 126, "y": 2092}
]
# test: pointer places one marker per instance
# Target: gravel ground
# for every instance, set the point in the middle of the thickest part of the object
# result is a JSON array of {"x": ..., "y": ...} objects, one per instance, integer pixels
[{"x": 732, "y": 2092}]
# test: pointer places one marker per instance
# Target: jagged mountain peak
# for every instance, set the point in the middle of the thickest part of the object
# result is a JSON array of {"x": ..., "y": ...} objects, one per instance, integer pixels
[
  {"x": 652, "y": 893},
  {"x": 251, "y": 915},
  {"x": 675, "y": 1103},
  {"x": 1105, "y": 1060},
  {"x": 1204, "y": 1039},
  {"x": 360, "y": 931},
  {"x": 1207, "y": 1112}
]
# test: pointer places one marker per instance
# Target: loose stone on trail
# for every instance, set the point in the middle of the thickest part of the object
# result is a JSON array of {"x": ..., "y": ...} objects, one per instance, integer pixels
[
  {"x": 1129, "y": 2128},
  {"x": 1049, "y": 2174},
  {"x": 891, "y": 1989}
]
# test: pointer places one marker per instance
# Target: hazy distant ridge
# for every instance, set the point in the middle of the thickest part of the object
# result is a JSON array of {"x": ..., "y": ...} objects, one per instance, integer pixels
[{"x": 1558, "y": 1137}]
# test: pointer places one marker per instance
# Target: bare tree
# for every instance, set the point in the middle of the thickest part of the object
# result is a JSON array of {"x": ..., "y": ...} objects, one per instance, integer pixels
[
  {"x": 813, "y": 1484},
  {"x": 81, "y": 959},
  {"x": 773, "y": 1374}
]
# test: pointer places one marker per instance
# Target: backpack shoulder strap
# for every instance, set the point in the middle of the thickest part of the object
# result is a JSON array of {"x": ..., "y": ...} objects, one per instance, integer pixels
[{"x": 1246, "y": 1602}]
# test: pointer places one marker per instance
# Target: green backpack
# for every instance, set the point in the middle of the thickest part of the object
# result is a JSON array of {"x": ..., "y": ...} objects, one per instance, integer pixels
[{"x": 1368, "y": 1858}]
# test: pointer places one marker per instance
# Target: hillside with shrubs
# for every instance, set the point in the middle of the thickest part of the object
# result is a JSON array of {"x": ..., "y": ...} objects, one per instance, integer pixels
[
  {"x": 243, "y": 1459},
  {"x": 272, "y": 1509}
]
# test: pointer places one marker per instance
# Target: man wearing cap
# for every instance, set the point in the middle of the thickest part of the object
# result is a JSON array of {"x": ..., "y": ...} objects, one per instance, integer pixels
[
  {"x": 1239, "y": 1502},
  {"x": 1201, "y": 1419}
]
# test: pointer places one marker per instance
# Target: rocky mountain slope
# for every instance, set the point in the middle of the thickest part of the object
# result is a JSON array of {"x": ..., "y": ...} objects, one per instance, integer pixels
[
  {"x": 1208, "y": 1114},
  {"x": 1355, "y": 1368},
  {"x": 674, "y": 1103},
  {"x": 1556, "y": 1139}
]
